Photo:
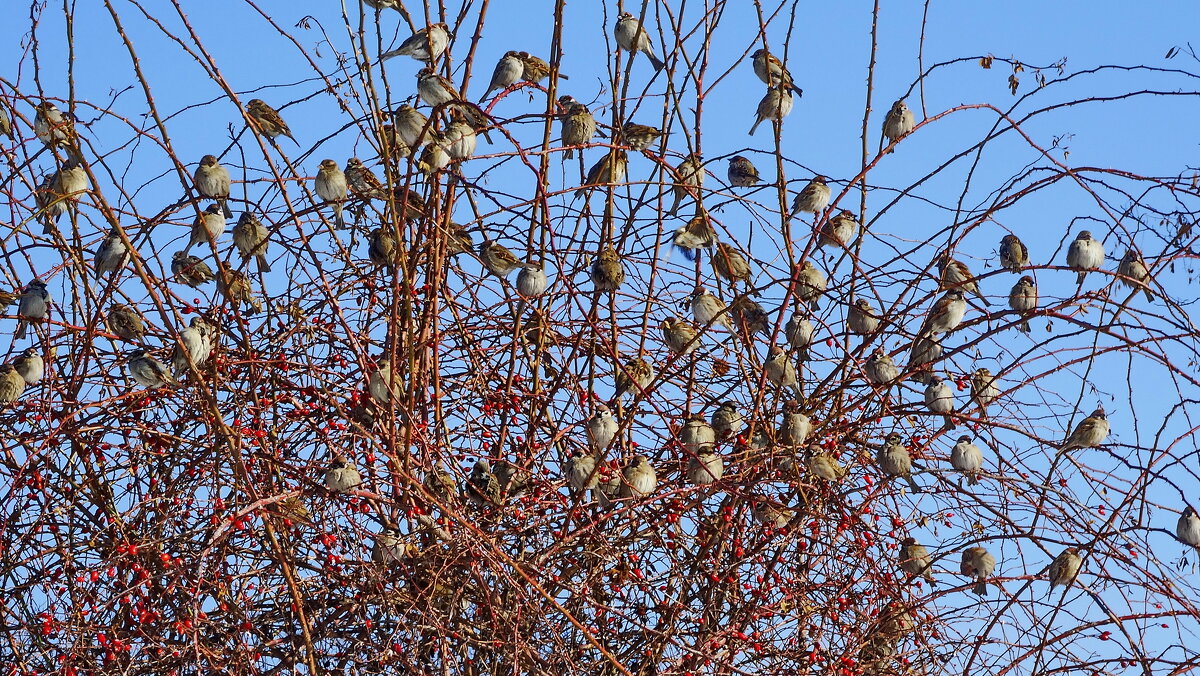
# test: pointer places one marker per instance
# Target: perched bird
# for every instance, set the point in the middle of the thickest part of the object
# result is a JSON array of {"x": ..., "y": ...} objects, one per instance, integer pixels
[
  {"x": 839, "y": 230},
  {"x": 434, "y": 157},
  {"x": 331, "y": 186},
  {"x": 824, "y": 466},
  {"x": 1085, "y": 254},
  {"x": 578, "y": 125},
  {"x": 1187, "y": 529},
  {"x": 915, "y": 560},
  {"x": 634, "y": 376},
  {"x": 946, "y": 314},
  {"x": 508, "y": 72},
  {"x": 411, "y": 127},
  {"x": 730, "y": 264},
  {"x": 633, "y": 38},
  {"x": 704, "y": 467},
  {"x": 679, "y": 335},
  {"x": 707, "y": 310},
  {"x": 30, "y": 365},
  {"x": 799, "y": 333},
  {"x": 250, "y": 238},
  {"x": 1134, "y": 273},
  {"x": 207, "y": 227},
  {"x": 190, "y": 270},
  {"x": 771, "y": 514},
  {"x": 427, "y": 44},
  {"x": 926, "y": 350},
  {"x": 389, "y": 547},
  {"x": 499, "y": 260},
  {"x": 696, "y": 432},
  {"x": 607, "y": 272},
  {"x": 514, "y": 480},
  {"x": 956, "y": 275},
  {"x": 381, "y": 246},
  {"x": 238, "y": 289},
  {"x": 441, "y": 485},
  {"x": 435, "y": 89},
  {"x": 341, "y": 475},
  {"x": 979, "y": 564},
  {"x": 811, "y": 284},
  {"x": 898, "y": 122},
  {"x": 459, "y": 138},
  {"x": 775, "y": 105},
  {"x": 53, "y": 127},
  {"x": 532, "y": 282},
  {"x": 32, "y": 307},
  {"x": 610, "y": 169},
  {"x": 60, "y": 193},
  {"x": 939, "y": 398},
  {"x": 194, "y": 346},
  {"x": 861, "y": 318},
  {"x": 535, "y": 68},
  {"x": 638, "y": 478},
  {"x": 983, "y": 388},
  {"x": 894, "y": 460},
  {"x": 112, "y": 255},
  {"x": 639, "y": 136},
  {"x": 482, "y": 487},
  {"x": 751, "y": 317},
  {"x": 780, "y": 371},
  {"x": 967, "y": 458},
  {"x": 148, "y": 371},
  {"x": 582, "y": 473},
  {"x": 212, "y": 181},
  {"x": 1024, "y": 299},
  {"x": 1065, "y": 568},
  {"x": 796, "y": 426},
  {"x": 741, "y": 172},
  {"x": 696, "y": 234},
  {"x": 727, "y": 421},
  {"x": 12, "y": 385},
  {"x": 1014, "y": 255},
  {"x": 1089, "y": 433},
  {"x": 6, "y": 128},
  {"x": 880, "y": 369},
  {"x": 386, "y": 4},
  {"x": 601, "y": 430},
  {"x": 379, "y": 382},
  {"x": 689, "y": 179},
  {"x": 125, "y": 322},
  {"x": 363, "y": 182},
  {"x": 771, "y": 70},
  {"x": 813, "y": 198},
  {"x": 267, "y": 120}
]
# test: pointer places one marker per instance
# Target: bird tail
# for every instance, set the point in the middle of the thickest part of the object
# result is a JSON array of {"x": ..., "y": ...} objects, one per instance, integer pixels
[
  {"x": 912, "y": 483},
  {"x": 1025, "y": 327},
  {"x": 980, "y": 588},
  {"x": 263, "y": 265},
  {"x": 755, "y": 125},
  {"x": 1080, "y": 278},
  {"x": 654, "y": 61},
  {"x": 20, "y": 332},
  {"x": 225, "y": 208},
  {"x": 1149, "y": 296}
]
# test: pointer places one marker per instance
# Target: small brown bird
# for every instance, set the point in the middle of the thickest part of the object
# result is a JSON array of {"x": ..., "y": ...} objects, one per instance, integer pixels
[
  {"x": 482, "y": 487},
  {"x": 207, "y": 227},
  {"x": 238, "y": 290},
  {"x": 267, "y": 120},
  {"x": 427, "y": 44},
  {"x": 689, "y": 179},
  {"x": 607, "y": 272},
  {"x": 1024, "y": 299},
  {"x": 632, "y": 37},
  {"x": 946, "y": 314},
  {"x": 638, "y": 478},
  {"x": 1134, "y": 273},
  {"x": 861, "y": 318},
  {"x": 679, "y": 335},
  {"x": 771, "y": 71},
  {"x": 704, "y": 467},
  {"x": 696, "y": 433},
  {"x": 839, "y": 231},
  {"x": 915, "y": 560},
  {"x": 12, "y": 385},
  {"x": 535, "y": 68},
  {"x": 772, "y": 514},
  {"x": 1089, "y": 433},
  {"x": 1065, "y": 568},
  {"x": 341, "y": 475},
  {"x": 979, "y": 564},
  {"x": 212, "y": 181},
  {"x": 811, "y": 284},
  {"x": 499, "y": 260},
  {"x": 824, "y": 466},
  {"x": 898, "y": 123},
  {"x": 780, "y": 371},
  {"x": 730, "y": 264},
  {"x": 381, "y": 246},
  {"x": 578, "y": 124},
  {"x": 742, "y": 172},
  {"x": 1085, "y": 254},
  {"x": 332, "y": 187},
  {"x": 190, "y": 270},
  {"x": 126, "y": 323},
  {"x": 775, "y": 105},
  {"x": 609, "y": 169},
  {"x": 634, "y": 377},
  {"x": 956, "y": 275},
  {"x": 363, "y": 182},
  {"x": 813, "y": 198},
  {"x": 894, "y": 460},
  {"x": 983, "y": 388},
  {"x": 639, "y": 136},
  {"x": 508, "y": 71},
  {"x": 250, "y": 238},
  {"x": 696, "y": 234},
  {"x": 1013, "y": 253},
  {"x": 441, "y": 485}
]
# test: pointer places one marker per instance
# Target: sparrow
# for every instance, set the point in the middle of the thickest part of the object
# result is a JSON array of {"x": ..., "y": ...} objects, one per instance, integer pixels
[
  {"x": 898, "y": 122},
  {"x": 799, "y": 333},
  {"x": 1134, "y": 274},
  {"x": 979, "y": 564},
  {"x": 148, "y": 371},
  {"x": 810, "y": 285},
  {"x": 741, "y": 172},
  {"x": 411, "y": 127},
  {"x": 126, "y": 323},
  {"x": 458, "y": 240},
  {"x": 30, "y": 365},
  {"x": 112, "y": 255},
  {"x": 499, "y": 260},
  {"x": 601, "y": 430},
  {"x": 341, "y": 475},
  {"x": 813, "y": 198},
  {"x": 634, "y": 377},
  {"x": 775, "y": 105},
  {"x": 609, "y": 169},
  {"x": 639, "y": 136},
  {"x": 194, "y": 346},
  {"x": 696, "y": 432},
  {"x": 796, "y": 427},
  {"x": 34, "y": 303},
  {"x": 426, "y": 44},
  {"x": 441, "y": 485},
  {"x": 61, "y": 192},
  {"x": 679, "y": 335},
  {"x": 1187, "y": 529},
  {"x": 482, "y": 487},
  {"x": 633, "y": 38},
  {"x": 1089, "y": 433},
  {"x": 983, "y": 388},
  {"x": 1065, "y": 568},
  {"x": 578, "y": 125},
  {"x": 1085, "y": 254},
  {"x": 1013, "y": 253},
  {"x": 946, "y": 314},
  {"x": 250, "y": 238},
  {"x": 190, "y": 270},
  {"x": 689, "y": 179},
  {"x": 727, "y": 421},
  {"x": 460, "y": 139},
  {"x": 925, "y": 351},
  {"x": 1024, "y": 299},
  {"x": 207, "y": 227},
  {"x": 638, "y": 478},
  {"x": 824, "y": 466},
  {"x": 379, "y": 382},
  {"x": 861, "y": 318},
  {"x": 915, "y": 560},
  {"x": 514, "y": 480},
  {"x": 532, "y": 282},
  {"x": 434, "y": 89},
  {"x": 238, "y": 290},
  {"x": 508, "y": 71},
  {"x": 956, "y": 275},
  {"x": 53, "y": 127},
  {"x": 535, "y": 68},
  {"x": 708, "y": 309},
  {"x": 771, "y": 71},
  {"x": 582, "y": 474},
  {"x": 389, "y": 547},
  {"x": 967, "y": 458},
  {"x": 381, "y": 246},
  {"x": 12, "y": 385},
  {"x": 780, "y": 371},
  {"x": 212, "y": 181},
  {"x": 434, "y": 157},
  {"x": 838, "y": 231},
  {"x": 363, "y": 182},
  {"x": 729, "y": 264},
  {"x": 6, "y": 128},
  {"x": 267, "y": 120},
  {"x": 607, "y": 272},
  {"x": 751, "y": 318},
  {"x": 386, "y": 4},
  {"x": 695, "y": 234},
  {"x": 880, "y": 369},
  {"x": 939, "y": 398},
  {"x": 331, "y": 186},
  {"x": 706, "y": 466},
  {"x": 894, "y": 460},
  {"x": 772, "y": 515}
]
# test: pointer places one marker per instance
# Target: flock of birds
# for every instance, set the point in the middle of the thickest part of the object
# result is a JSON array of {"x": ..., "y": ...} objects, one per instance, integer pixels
[{"x": 441, "y": 141}]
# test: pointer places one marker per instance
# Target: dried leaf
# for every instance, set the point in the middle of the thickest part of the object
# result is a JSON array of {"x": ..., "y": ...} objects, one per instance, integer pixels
[
  {"x": 1171, "y": 53},
  {"x": 986, "y": 62},
  {"x": 1013, "y": 83},
  {"x": 1018, "y": 68}
]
